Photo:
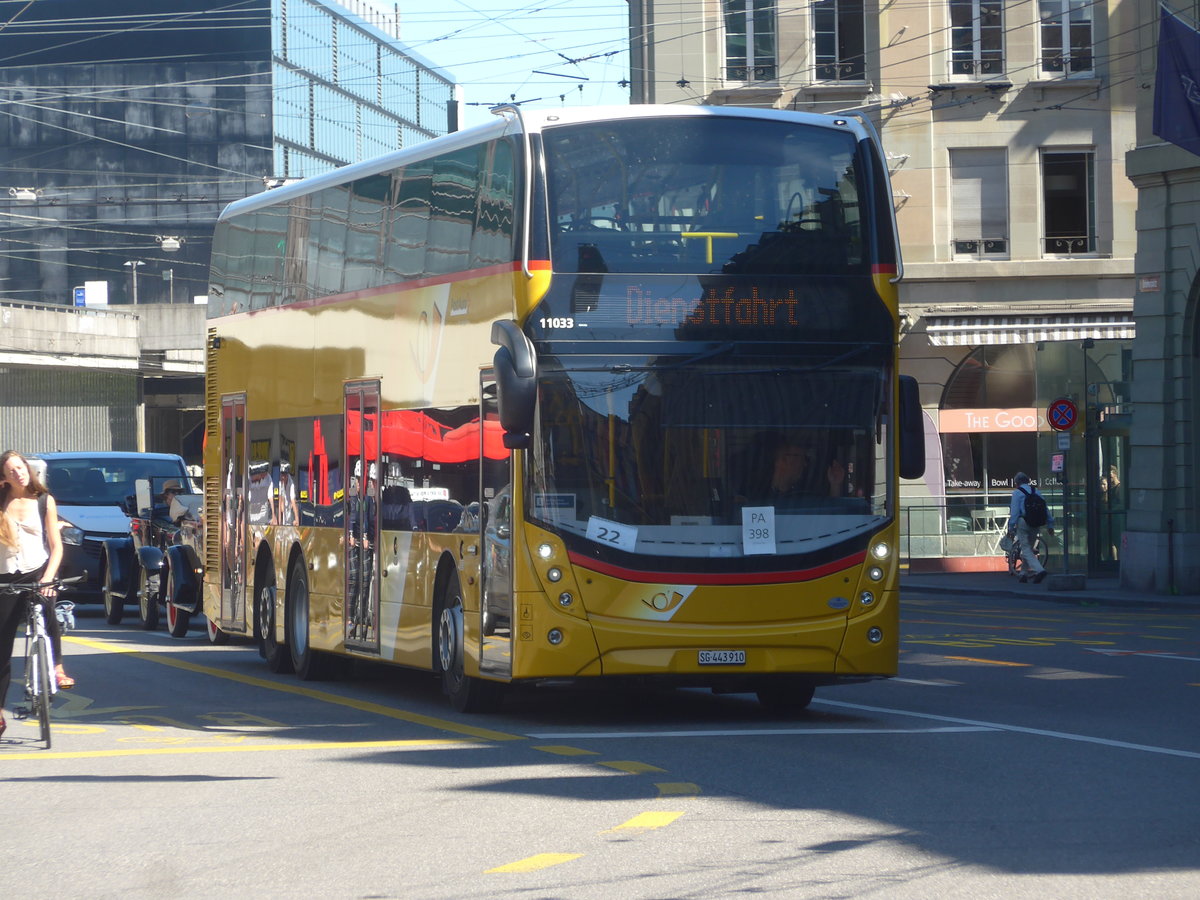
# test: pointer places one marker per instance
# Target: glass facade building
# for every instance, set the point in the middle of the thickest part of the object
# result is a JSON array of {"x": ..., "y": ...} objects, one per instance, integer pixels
[{"x": 130, "y": 125}]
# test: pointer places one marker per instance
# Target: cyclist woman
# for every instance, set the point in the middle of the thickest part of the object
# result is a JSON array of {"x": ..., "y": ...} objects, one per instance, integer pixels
[{"x": 30, "y": 551}]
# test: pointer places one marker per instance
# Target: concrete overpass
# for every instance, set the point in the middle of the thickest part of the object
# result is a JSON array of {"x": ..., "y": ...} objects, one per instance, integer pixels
[{"x": 102, "y": 378}]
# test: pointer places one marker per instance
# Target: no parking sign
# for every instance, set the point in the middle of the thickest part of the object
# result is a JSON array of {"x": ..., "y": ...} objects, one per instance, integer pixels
[{"x": 1062, "y": 414}]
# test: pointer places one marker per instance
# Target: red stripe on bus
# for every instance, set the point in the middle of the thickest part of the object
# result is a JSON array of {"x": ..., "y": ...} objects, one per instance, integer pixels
[
  {"x": 731, "y": 578},
  {"x": 883, "y": 270}
]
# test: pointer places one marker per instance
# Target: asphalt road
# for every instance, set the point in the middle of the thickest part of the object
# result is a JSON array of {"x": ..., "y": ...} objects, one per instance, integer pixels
[{"x": 1026, "y": 750}]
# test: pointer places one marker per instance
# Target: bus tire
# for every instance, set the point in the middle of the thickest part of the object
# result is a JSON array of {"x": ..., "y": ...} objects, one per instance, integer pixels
[
  {"x": 785, "y": 697},
  {"x": 277, "y": 655},
  {"x": 466, "y": 694},
  {"x": 308, "y": 664},
  {"x": 148, "y": 598},
  {"x": 178, "y": 620}
]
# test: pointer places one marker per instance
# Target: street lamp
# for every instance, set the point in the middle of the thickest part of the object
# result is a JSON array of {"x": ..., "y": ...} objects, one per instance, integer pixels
[
  {"x": 133, "y": 267},
  {"x": 170, "y": 243}
]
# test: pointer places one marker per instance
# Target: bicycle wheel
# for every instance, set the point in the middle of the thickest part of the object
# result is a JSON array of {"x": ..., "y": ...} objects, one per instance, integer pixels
[{"x": 40, "y": 701}]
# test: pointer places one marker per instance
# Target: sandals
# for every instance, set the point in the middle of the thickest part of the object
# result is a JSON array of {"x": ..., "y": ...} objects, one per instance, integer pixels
[{"x": 65, "y": 682}]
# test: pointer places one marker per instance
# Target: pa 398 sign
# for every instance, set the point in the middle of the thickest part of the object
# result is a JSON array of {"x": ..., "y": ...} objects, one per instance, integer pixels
[{"x": 1062, "y": 414}]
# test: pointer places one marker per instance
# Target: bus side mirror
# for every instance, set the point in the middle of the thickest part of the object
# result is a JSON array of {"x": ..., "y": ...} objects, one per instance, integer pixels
[
  {"x": 516, "y": 383},
  {"x": 912, "y": 429}
]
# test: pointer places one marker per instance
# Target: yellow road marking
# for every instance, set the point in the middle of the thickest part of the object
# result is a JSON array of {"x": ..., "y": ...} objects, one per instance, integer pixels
[
  {"x": 677, "y": 788},
  {"x": 533, "y": 863},
  {"x": 990, "y": 662},
  {"x": 566, "y": 751},
  {"x": 390, "y": 712},
  {"x": 633, "y": 768},
  {"x": 646, "y": 821},
  {"x": 241, "y": 748}
]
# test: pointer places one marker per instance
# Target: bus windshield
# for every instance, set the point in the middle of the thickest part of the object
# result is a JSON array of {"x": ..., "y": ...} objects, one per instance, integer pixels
[
  {"x": 704, "y": 195},
  {"x": 670, "y": 452}
]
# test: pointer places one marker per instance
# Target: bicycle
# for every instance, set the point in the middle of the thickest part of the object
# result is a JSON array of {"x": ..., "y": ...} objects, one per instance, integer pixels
[
  {"x": 1016, "y": 565},
  {"x": 40, "y": 684}
]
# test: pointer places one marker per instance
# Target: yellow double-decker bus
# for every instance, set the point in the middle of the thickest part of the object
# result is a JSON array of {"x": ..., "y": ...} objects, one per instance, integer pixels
[{"x": 588, "y": 394}]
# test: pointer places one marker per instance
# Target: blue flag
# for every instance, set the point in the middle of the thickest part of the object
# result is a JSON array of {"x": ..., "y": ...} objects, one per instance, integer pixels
[{"x": 1177, "y": 87}]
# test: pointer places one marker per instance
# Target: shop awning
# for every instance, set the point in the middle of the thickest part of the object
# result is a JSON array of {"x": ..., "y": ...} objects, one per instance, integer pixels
[{"x": 971, "y": 331}]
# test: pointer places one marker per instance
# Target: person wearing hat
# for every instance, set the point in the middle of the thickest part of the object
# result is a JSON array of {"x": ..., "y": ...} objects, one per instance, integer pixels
[{"x": 177, "y": 511}]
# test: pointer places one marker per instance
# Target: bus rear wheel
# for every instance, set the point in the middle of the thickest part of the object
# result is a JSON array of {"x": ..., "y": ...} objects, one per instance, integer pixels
[
  {"x": 309, "y": 664},
  {"x": 466, "y": 694},
  {"x": 277, "y": 655}
]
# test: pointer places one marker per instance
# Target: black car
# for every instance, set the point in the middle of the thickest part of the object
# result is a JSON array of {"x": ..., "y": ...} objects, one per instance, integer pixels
[{"x": 95, "y": 493}]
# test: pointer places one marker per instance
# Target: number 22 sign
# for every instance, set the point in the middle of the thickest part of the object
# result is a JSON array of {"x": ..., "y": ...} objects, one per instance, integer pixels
[{"x": 612, "y": 534}]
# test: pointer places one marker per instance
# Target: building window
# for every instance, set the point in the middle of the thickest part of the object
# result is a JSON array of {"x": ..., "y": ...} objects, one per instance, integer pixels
[
  {"x": 1069, "y": 201},
  {"x": 1066, "y": 30},
  {"x": 979, "y": 202},
  {"x": 977, "y": 37},
  {"x": 838, "y": 35},
  {"x": 750, "y": 40}
]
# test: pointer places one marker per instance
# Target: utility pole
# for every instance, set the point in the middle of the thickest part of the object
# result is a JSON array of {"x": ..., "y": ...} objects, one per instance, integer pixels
[{"x": 133, "y": 267}]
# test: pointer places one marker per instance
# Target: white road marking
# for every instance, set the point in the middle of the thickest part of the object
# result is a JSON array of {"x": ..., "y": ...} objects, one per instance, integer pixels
[
  {"x": 754, "y": 732},
  {"x": 1018, "y": 729}
]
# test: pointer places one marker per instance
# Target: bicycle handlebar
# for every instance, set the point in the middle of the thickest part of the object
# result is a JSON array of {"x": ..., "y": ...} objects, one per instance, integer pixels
[{"x": 21, "y": 587}]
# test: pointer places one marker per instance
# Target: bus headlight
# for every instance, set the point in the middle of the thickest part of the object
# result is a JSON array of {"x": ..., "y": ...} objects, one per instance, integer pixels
[
  {"x": 881, "y": 551},
  {"x": 565, "y": 599},
  {"x": 874, "y": 635},
  {"x": 545, "y": 551},
  {"x": 875, "y": 573},
  {"x": 554, "y": 636},
  {"x": 554, "y": 574},
  {"x": 866, "y": 598}
]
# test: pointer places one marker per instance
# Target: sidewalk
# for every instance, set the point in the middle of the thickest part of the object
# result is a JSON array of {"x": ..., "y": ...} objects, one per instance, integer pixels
[{"x": 1100, "y": 591}]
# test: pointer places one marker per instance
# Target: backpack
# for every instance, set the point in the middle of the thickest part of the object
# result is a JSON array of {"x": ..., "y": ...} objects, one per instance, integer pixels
[{"x": 1036, "y": 514}]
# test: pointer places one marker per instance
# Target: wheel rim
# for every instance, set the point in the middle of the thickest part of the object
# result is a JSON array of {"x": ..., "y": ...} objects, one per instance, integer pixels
[
  {"x": 266, "y": 613},
  {"x": 172, "y": 616},
  {"x": 450, "y": 653}
]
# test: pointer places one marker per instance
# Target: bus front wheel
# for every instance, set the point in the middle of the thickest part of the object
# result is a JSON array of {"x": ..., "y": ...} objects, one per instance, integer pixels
[
  {"x": 466, "y": 694},
  {"x": 785, "y": 697}
]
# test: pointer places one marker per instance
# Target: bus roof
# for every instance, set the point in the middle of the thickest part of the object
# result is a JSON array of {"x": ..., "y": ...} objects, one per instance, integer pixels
[{"x": 533, "y": 122}]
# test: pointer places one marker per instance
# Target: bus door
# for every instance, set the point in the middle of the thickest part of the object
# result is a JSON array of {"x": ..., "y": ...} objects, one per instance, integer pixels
[
  {"x": 496, "y": 538},
  {"x": 233, "y": 512},
  {"x": 361, "y": 499}
]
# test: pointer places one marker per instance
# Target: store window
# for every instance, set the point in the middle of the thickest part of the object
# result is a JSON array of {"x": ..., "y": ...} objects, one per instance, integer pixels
[{"x": 989, "y": 425}]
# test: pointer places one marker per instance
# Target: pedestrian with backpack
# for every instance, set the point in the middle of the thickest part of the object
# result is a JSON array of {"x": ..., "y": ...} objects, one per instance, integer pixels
[{"x": 1027, "y": 515}]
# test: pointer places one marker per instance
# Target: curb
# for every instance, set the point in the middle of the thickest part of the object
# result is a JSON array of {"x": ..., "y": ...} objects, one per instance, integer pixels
[{"x": 1066, "y": 598}]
